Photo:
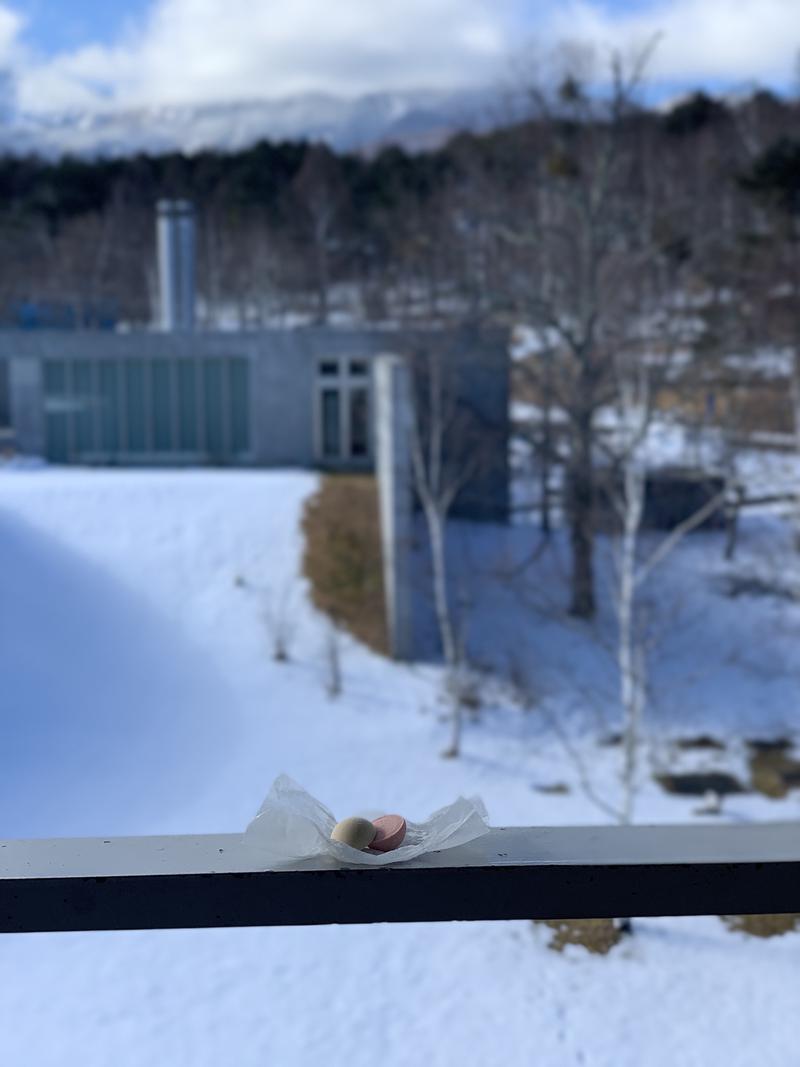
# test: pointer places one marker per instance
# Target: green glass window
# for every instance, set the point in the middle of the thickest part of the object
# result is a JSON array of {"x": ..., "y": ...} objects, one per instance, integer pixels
[
  {"x": 238, "y": 391},
  {"x": 108, "y": 399},
  {"x": 214, "y": 426},
  {"x": 83, "y": 404},
  {"x": 56, "y": 417},
  {"x": 187, "y": 406},
  {"x": 136, "y": 415},
  {"x": 161, "y": 386}
]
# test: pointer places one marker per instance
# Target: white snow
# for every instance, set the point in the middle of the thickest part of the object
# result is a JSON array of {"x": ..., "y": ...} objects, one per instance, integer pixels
[
  {"x": 138, "y": 695},
  {"x": 766, "y": 362}
]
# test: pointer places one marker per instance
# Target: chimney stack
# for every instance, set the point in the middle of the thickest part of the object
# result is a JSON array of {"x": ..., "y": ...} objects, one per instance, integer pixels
[{"x": 176, "y": 282}]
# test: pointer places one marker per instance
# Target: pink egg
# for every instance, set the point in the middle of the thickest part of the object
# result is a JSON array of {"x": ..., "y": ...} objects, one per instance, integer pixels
[{"x": 391, "y": 832}]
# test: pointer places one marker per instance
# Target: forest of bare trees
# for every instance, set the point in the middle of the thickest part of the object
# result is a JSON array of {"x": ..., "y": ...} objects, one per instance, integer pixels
[{"x": 283, "y": 227}]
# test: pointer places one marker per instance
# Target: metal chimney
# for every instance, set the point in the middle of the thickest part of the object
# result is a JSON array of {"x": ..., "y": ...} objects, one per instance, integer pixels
[{"x": 176, "y": 265}]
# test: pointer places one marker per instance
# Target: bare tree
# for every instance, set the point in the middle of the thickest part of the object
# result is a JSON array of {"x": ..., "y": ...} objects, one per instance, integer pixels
[
  {"x": 447, "y": 452},
  {"x": 575, "y": 228},
  {"x": 639, "y": 371},
  {"x": 320, "y": 189},
  {"x": 775, "y": 179},
  {"x": 635, "y": 411},
  {"x": 631, "y": 657},
  {"x": 279, "y": 616}
]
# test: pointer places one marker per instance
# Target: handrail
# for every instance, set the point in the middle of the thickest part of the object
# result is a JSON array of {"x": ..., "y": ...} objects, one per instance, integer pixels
[{"x": 512, "y": 873}]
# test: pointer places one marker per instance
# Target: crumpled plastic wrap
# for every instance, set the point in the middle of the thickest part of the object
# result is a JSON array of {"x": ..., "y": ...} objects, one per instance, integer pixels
[{"x": 291, "y": 825}]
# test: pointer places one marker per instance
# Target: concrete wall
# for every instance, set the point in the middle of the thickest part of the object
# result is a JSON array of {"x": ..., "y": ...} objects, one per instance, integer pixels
[
  {"x": 284, "y": 401},
  {"x": 283, "y": 396}
]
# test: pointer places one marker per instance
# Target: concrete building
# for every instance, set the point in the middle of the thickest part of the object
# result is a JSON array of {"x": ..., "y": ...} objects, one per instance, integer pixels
[
  {"x": 280, "y": 397},
  {"x": 301, "y": 397}
]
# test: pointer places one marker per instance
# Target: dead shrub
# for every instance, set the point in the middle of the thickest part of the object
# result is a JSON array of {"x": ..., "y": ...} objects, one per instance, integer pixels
[
  {"x": 342, "y": 558},
  {"x": 279, "y": 618},
  {"x": 465, "y": 688}
]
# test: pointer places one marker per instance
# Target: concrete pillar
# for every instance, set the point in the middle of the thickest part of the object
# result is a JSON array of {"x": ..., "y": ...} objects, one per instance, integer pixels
[
  {"x": 393, "y": 467},
  {"x": 26, "y": 395}
]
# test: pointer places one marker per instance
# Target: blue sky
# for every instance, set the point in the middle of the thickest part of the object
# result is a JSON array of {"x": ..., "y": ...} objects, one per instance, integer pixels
[
  {"x": 66, "y": 54},
  {"x": 54, "y": 26}
]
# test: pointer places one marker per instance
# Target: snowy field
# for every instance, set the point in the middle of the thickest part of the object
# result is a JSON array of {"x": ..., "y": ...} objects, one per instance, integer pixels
[{"x": 138, "y": 695}]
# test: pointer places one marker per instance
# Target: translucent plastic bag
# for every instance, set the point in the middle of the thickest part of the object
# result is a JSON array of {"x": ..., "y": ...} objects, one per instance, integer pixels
[{"x": 292, "y": 826}]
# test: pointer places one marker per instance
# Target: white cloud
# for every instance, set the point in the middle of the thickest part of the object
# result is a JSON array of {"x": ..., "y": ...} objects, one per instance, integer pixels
[
  {"x": 191, "y": 51},
  {"x": 10, "y": 26},
  {"x": 199, "y": 50},
  {"x": 701, "y": 40}
]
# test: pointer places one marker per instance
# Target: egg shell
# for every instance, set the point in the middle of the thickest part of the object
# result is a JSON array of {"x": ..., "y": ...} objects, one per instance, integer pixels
[
  {"x": 391, "y": 831},
  {"x": 355, "y": 832}
]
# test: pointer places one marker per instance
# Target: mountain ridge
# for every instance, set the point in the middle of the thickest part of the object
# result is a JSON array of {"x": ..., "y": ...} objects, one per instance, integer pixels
[{"x": 415, "y": 119}]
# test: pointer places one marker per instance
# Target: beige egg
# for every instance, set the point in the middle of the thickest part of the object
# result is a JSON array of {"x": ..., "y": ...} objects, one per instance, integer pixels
[{"x": 358, "y": 833}]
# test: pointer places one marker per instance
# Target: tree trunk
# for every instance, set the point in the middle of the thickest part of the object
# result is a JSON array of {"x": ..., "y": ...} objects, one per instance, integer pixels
[
  {"x": 454, "y": 749},
  {"x": 436, "y": 528},
  {"x": 437, "y": 533},
  {"x": 795, "y": 383},
  {"x": 629, "y": 652},
  {"x": 322, "y": 283},
  {"x": 581, "y": 491},
  {"x": 732, "y": 512},
  {"x": 796, "y": 411},
  {"x": 546, "y": 452}
]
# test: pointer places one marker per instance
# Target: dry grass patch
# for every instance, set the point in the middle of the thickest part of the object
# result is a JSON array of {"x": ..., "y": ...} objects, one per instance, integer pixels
[
  {"x": 773, "y": 770},
  {"x": 744, "y": 406},
  {"x": 597, "y": 936},
  {"x": 762, "y": 925},
  {"x": 342, "y": 558}
]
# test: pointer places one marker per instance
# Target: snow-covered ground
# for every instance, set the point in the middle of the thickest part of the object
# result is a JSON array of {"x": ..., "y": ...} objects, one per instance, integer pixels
[{"x": 138, "y": 695}]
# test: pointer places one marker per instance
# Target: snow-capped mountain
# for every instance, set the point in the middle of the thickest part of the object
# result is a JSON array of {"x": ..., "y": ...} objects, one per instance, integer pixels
[{"x": 415, "y": 119}]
